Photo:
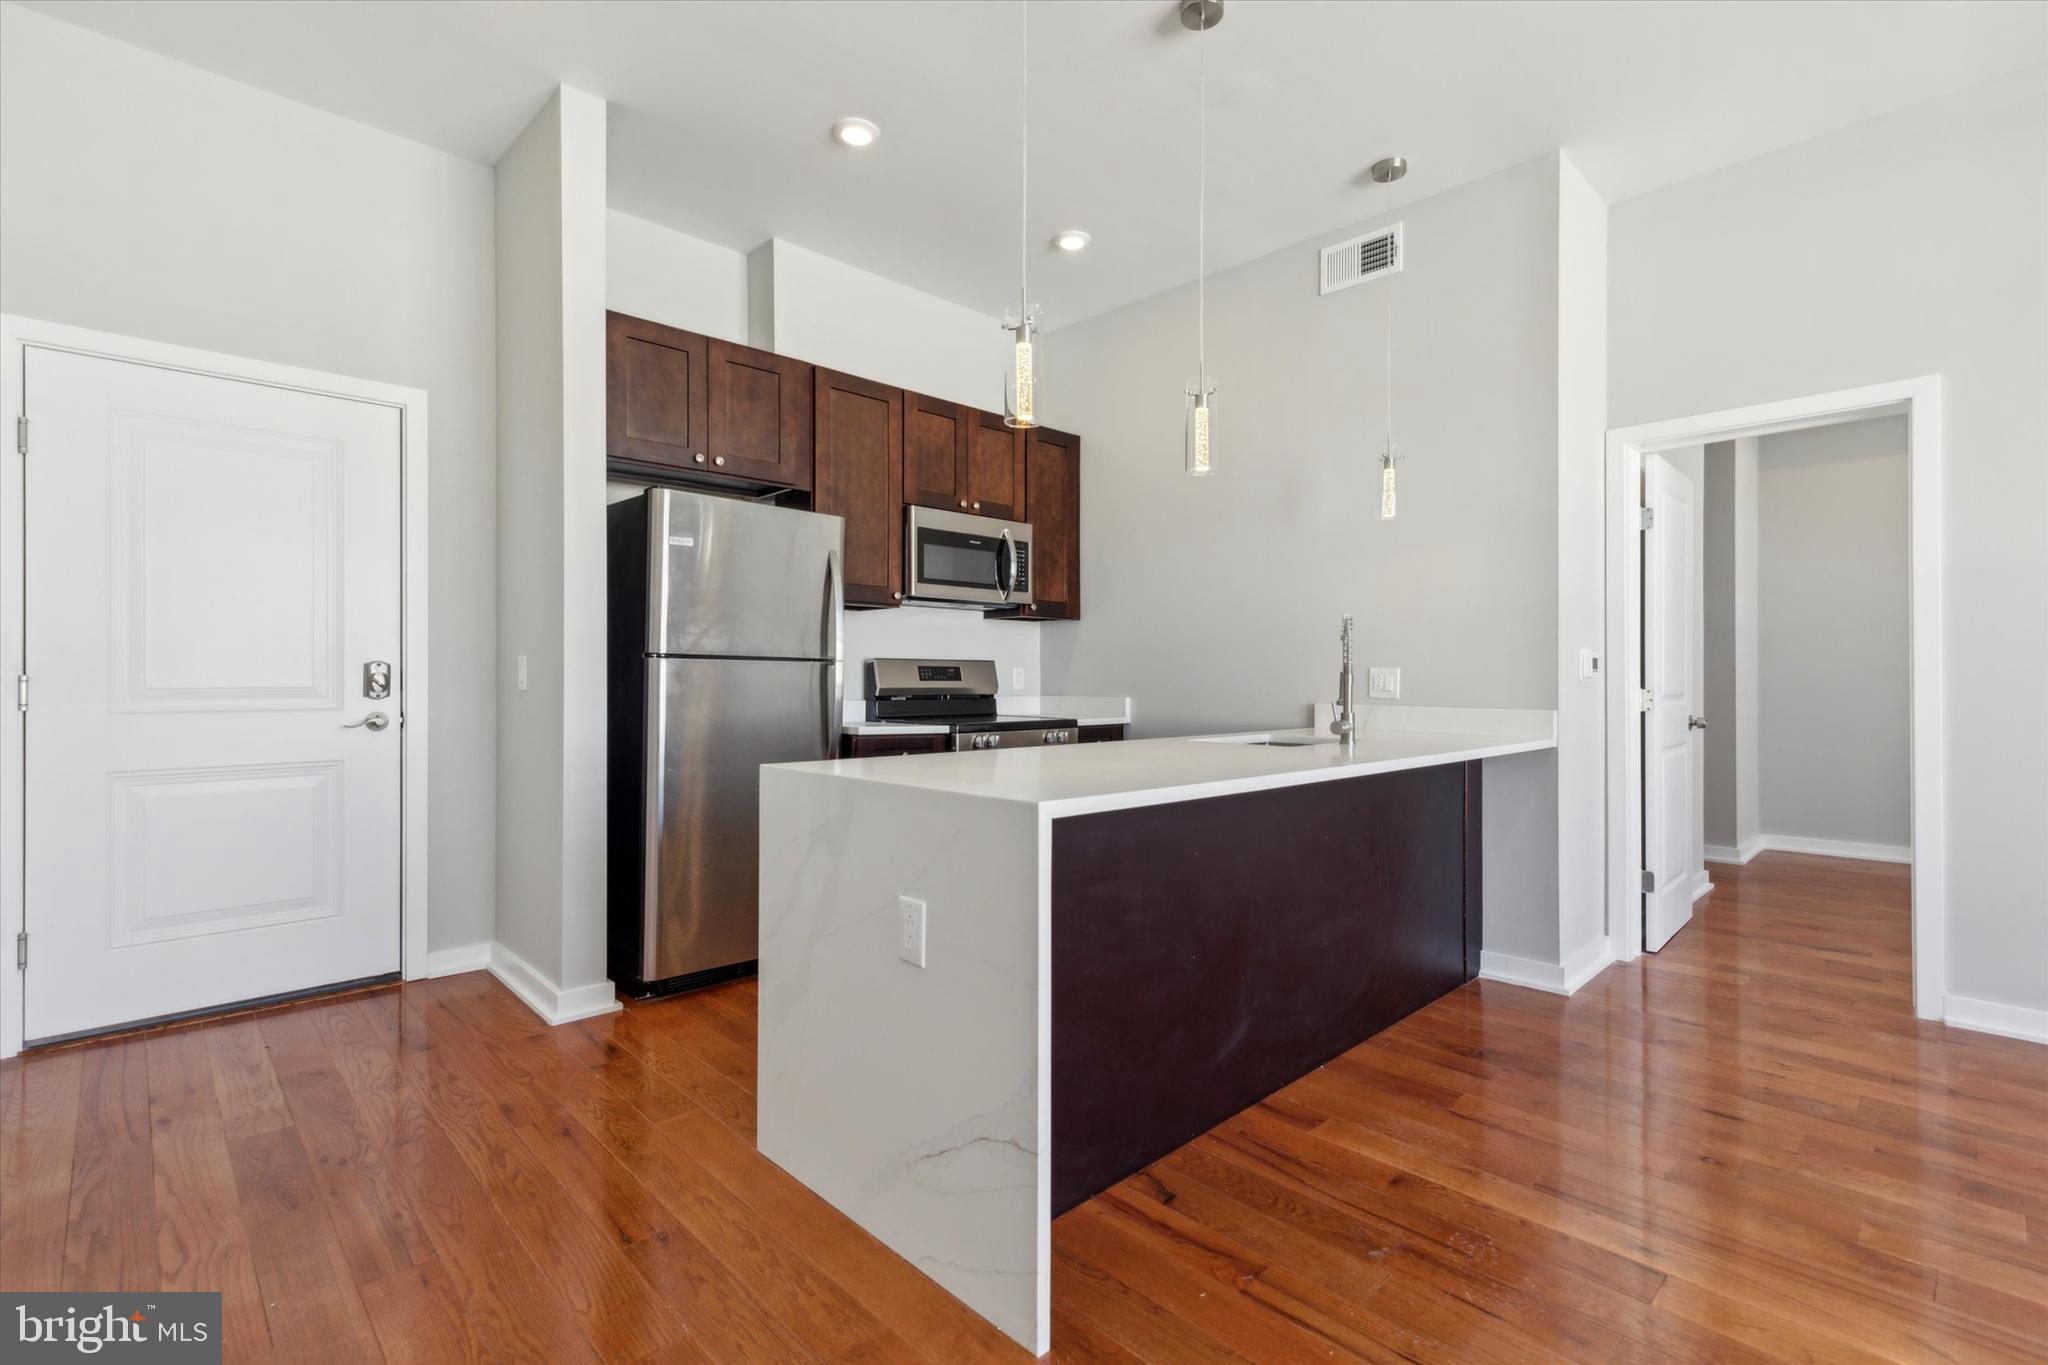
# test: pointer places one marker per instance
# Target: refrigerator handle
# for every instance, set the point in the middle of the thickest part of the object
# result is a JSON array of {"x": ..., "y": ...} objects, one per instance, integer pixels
[{"x": 835, "y": 615}]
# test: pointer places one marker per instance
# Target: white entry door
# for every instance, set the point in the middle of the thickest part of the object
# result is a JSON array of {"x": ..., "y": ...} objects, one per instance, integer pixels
[
  {"x": 1671, "y": 737},
  {"x": 212, "y": 568}
]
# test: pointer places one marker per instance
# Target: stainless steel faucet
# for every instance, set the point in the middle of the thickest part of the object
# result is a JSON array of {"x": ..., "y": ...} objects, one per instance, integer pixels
[{"x": 1344, "y": 720}]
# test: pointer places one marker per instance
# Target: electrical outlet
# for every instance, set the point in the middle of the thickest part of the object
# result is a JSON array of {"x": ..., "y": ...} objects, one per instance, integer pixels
[
  {"x": 910, "y": 930},
  {"x": 1383, "y": 683},
  {"x": 1017, "y": 678}
]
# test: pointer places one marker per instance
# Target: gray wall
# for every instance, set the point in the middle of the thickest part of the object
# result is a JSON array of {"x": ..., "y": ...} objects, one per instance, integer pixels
[
  {"x": 1810, "y": 270},
  {"x": 154, "y": 200},
  {"x": 1832, "y": 624},
  {"x": 1214, "y": 602}
]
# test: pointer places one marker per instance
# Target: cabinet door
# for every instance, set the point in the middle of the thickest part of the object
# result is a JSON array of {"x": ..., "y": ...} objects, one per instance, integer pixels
[
  {"x": 995, "y": 467},
  {"x": 858, "y": 476},
  {"x": 656, "y": 402},
  {"x": 934, "y": 452},
  {"x": 760, "y": 416},
  {"x": 1052, "y": 498}
]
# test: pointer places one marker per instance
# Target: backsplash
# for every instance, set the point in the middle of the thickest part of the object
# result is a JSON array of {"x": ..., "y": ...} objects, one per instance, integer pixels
[{"x": 936, "y": 633}]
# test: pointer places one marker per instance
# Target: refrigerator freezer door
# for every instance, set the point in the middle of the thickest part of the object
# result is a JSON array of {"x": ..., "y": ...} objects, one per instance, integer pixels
[
  {"x": 712, "y": 723},
  {"x": 741, "y": 579}
]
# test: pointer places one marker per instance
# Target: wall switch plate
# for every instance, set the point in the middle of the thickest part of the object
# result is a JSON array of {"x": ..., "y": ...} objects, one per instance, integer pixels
[
  {"x": 522, "y": 673},
  {"x": 1017, "y": 677},
  {"x": 910, "y": 930},
  {"x": 1384, "y": 683},
  {"x": 1589, "y": 665}
]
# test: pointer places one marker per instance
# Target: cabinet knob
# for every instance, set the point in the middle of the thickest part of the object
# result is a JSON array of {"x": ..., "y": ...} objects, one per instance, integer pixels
[
  {"x": 698, "y": 457},
  {"x": 719, "y": 460},
  {"x": 899, "y": 597},
  {"x": 963, "y": 504},
  {"x": 977, "y": 507}
]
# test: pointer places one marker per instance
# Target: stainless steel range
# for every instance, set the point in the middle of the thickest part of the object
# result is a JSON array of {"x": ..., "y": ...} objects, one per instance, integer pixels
[{"x": 959, "y": 694}]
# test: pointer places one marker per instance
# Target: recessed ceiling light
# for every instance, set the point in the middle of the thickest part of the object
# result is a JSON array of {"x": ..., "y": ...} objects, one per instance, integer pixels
[
  {"x": 1073, "y": 239},
  {"x": 855, "y": 132}
]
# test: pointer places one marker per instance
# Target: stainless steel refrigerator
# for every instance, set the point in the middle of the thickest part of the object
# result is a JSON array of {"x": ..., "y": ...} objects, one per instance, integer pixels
[{"x": 724, "y": 655}]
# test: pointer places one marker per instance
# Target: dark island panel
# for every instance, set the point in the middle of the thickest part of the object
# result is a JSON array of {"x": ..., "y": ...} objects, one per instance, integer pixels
[{"x": 1206, "y": 953}]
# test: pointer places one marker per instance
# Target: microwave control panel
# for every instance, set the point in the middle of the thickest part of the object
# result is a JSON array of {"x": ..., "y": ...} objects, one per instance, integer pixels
[{"x": 1022, "y": 551}]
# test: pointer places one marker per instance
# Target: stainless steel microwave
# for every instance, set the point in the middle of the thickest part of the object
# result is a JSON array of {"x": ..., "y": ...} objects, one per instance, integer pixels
[{"x": 958, "y": 560}]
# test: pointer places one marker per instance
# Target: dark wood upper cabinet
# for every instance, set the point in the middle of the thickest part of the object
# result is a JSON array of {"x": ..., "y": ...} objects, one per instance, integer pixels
[
  {"x": 859, "y": 476},
  {"x": 995, "y": 468},
  {"x": 1052, "y": 502},
  {"x": 656, "y": 399},
  {"x": 934, "y": 452},
  {"x": 760, "y": 415}
]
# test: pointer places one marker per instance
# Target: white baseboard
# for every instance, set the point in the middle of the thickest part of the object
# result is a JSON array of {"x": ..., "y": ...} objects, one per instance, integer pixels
[
  {"x": 470, "y": 957},
  {"x": 1990, "y": 1016},
  {"x": 1557, "y": 978},
  {"x": 1701, "y": 886},
  {"x": 544, "y": 997},
  {"x": 1836, "y": 848},
  {"x": 1799, "y": 843}
]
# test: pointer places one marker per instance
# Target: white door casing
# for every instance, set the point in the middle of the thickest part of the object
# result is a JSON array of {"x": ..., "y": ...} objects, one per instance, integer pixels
[
  {"x": 1671, "y": 744},
  {"x": 209, "y": 563}
]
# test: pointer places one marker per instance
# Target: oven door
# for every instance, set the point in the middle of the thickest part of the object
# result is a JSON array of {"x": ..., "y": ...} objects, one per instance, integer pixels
[{"x": 957, "y": 560}]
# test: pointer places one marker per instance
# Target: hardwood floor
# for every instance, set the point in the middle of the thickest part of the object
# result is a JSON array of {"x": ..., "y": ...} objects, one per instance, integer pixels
[{"x": 1743, "y": 1148}]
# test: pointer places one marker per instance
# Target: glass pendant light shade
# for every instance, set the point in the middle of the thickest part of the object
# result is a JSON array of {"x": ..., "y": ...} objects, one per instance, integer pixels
[
  {"x": 1387, "y": 485},
  {"x": 1020, "y": 385},
  {"x": 1200, "y": 428}
]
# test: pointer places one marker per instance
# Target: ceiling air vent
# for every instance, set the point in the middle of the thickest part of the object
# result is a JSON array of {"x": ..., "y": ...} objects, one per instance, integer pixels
[{"x": 1361, "y": 259}]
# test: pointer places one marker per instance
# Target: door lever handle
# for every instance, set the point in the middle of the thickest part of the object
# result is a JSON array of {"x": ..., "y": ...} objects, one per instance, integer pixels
[
  {"x": 1696, "y": 723},
  {"x": 376, "y": 720}
]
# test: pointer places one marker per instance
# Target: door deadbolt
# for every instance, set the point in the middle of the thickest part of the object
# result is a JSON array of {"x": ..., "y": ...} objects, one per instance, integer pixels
[{"x": 376, "y": 680}]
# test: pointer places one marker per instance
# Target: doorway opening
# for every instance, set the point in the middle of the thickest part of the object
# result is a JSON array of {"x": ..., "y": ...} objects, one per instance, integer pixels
[{"x": 1855, "y": 775}]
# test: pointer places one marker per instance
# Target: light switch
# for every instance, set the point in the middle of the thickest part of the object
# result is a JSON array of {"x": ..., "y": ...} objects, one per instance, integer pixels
[
  {"x": 1589, "y": 665},
  {"x": 1383, "y": 683},
  {"x": 521, "y": 682}
]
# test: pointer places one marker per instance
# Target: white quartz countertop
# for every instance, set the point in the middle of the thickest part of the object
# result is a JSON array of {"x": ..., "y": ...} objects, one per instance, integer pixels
[{"x": 1077, "y": 779}]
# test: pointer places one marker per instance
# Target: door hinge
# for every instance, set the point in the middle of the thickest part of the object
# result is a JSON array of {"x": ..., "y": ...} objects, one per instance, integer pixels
[
  {"x": 1647, "y": 519},
  {"x": 21, "y": 693},
  {"x": 1649, "y": 881},
  {"x": 21, "y": 951},
  {"x": 1645, "y": 699},
  {"x": 21, "y": 434}
]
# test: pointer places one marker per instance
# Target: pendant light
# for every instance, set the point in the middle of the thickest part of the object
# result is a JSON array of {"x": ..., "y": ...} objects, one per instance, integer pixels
[
  {"x": 1200, "y": 16},
  {"x": 1386, "y": 171},
  {"x": 1020, "y": 396}
]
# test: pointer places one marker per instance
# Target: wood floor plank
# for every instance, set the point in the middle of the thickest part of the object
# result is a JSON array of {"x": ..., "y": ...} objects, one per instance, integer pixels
[
  {"x": 38, "y": 1125},
  {"x": 202, "y": 1243},
  {"x": 309, "y": 1296},
  {"x": 111, "y": 1239},
  {"x": 245, "y": 1086}
]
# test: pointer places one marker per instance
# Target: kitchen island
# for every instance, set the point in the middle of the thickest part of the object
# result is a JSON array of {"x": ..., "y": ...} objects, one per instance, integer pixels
[{"x": 1121, "y": 945}]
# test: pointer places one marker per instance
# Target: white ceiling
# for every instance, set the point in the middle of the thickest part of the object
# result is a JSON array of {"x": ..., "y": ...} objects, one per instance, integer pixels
[{"x": 720, "y": 107}]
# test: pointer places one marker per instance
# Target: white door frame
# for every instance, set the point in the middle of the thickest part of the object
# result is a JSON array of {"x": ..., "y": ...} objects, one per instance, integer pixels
[
  {"x": 1920, "y": 400},
  {"x": 17, "y": 335}
]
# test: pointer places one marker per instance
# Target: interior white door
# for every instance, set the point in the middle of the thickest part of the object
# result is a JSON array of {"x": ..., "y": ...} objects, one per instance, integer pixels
[
  {"x": 211, "y": 567},
  {"x": 1671, "y": 740}
]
